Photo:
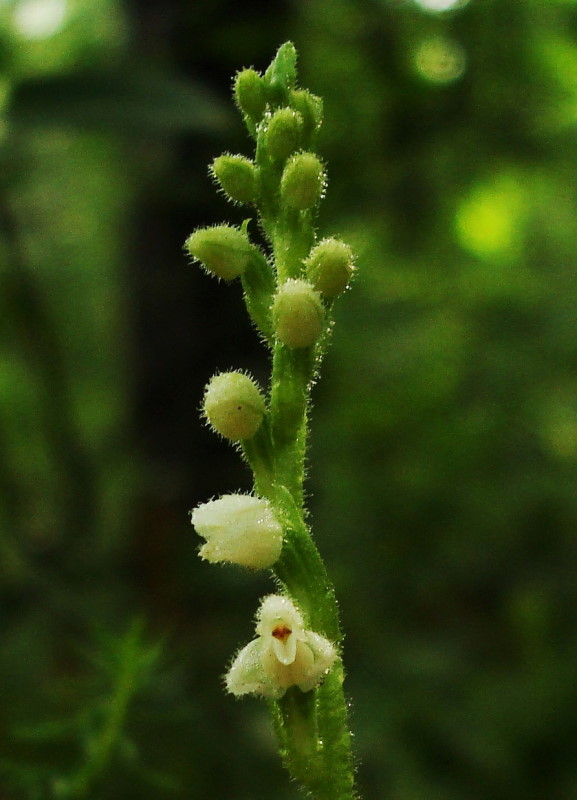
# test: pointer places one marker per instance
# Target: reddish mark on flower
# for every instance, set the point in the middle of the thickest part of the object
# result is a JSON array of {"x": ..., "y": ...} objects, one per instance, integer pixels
[{"x": 281, "y": 632}]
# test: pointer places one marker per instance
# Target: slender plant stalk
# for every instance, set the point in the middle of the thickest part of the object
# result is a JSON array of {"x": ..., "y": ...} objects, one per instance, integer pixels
[
  {"x": 106, "y": 739},
  {"x": 296, "y": 661}
]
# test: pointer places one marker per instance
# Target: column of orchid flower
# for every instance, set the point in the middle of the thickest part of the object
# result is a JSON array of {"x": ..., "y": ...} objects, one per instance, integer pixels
[{"x": 295, "y": 659}]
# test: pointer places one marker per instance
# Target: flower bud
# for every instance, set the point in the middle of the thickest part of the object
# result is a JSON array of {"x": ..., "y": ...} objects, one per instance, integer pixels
[
  {"x": 223, "y": 250},
  {"x": 282, "y": 72},
  {"x": 298, "y": 314},
  {"x": 282, "y": 133},
  {"x": 310, "y": 108},
  {"x": 250, "y": 93},
  {"x": 234, "y": 405},
  {"x": 239, "y": 529},
  {"x": 302, "y": 181},
  {"x": 237, "y": 176},
  {"x": 329, "y": 267},
  {"x": 284, "y": 653}
]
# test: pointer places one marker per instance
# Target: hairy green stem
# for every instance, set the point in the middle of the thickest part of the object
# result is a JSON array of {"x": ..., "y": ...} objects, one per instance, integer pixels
[
  {"x": 291, "y": 377},
  {"x": 312, "y": 728}
]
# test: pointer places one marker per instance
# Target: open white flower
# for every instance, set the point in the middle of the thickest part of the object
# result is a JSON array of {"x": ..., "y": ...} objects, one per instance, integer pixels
[
  {"x": 283, "y": 654},
  {"x": 240, "y": 529}
]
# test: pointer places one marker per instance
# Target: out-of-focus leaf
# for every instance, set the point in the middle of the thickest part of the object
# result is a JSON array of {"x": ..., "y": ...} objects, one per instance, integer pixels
[{"x": 142, "y": 101}]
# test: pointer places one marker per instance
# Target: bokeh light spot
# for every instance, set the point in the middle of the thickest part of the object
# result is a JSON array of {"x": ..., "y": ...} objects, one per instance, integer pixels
[
  {"x": 440, "y": 5},
  {"x": 440, "y": 60},
  {"x": 489, "y": 221},
  {"x": 39, "y": 19}
]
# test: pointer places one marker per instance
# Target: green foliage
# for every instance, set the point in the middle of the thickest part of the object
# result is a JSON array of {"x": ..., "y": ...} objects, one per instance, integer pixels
[{"x": 92, "y": 732}]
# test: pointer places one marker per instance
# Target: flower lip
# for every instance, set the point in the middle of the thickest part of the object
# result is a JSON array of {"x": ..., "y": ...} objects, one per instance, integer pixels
[
  {"x": 282, "y": 632},
  {"x": 284, "y": 644}
]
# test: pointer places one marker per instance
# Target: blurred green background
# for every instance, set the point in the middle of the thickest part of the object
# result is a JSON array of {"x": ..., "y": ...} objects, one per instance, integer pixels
[{"x": 444, "y": 449}]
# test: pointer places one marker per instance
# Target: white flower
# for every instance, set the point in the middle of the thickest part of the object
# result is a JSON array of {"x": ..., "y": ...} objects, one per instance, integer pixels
[
  {"x": 240, "y": 529},
  {"x": 283, "y": 654}
]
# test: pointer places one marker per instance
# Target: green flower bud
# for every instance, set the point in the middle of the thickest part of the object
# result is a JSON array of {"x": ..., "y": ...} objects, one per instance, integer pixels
[
  {"x": 282, "y": 73},
  {"x": 302, "y": 181},
  {"x": 234, "y": 405},
  {"x": 237, "y": 176},
  {"x": 310, "y": 108},
  {"x": 223, "y": 250},
  {"x": 250, "y": 93},
  {"x": 298, "y": 314},
  {"x": 282, "y": 133},
  {"x": 329, "y": 267}
]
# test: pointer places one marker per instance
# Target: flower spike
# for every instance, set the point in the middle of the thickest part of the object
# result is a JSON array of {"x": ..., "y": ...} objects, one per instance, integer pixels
[{"x": 289, "y": 281}]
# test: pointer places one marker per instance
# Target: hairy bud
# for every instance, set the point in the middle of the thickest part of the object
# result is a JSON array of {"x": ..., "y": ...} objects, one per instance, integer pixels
[
  {"x": 310, "y": 108},
  {"x": 234, "y": 405},
  {"x": 329, "y": 267},
  {"x": 282, "y": 133},
  {"x": 302, "y": 181},
  {"x": 237, "y": 176},
  {"x": 250, "y": 93},
  {"x": 223, "y": 250},
  {"x": 298, "y": 314},
  {"x": 282, "y": 72}
]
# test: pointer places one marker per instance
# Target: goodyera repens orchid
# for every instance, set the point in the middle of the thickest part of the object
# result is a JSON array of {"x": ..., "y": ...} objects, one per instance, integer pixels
[
  {"x": 283, "y": 654},
  {"x": 290, "y": 282}
]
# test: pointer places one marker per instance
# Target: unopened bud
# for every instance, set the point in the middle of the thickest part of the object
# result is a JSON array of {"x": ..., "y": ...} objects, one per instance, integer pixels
[
  {"x": 282, "y": 133},
  {"x": 223, "y": 250},
  {"x": 298, "y": 314},
  {"x": 250, "y": 93},
  {"x": 282, "y": 72},
  {"x": 239, "y": 529},
  {"x": 234, "y": 405},
  {"x": 310, "y": 108},
  {"x": 329, "y": 267},
  {"x": 237, "y": 176},
  {"x": 302, "y": 181}
]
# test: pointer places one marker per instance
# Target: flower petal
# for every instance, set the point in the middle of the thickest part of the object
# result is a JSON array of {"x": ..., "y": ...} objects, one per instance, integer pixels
[
  {"x": 246, "y": 674},
  {"x": 324, "y": 654}
]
